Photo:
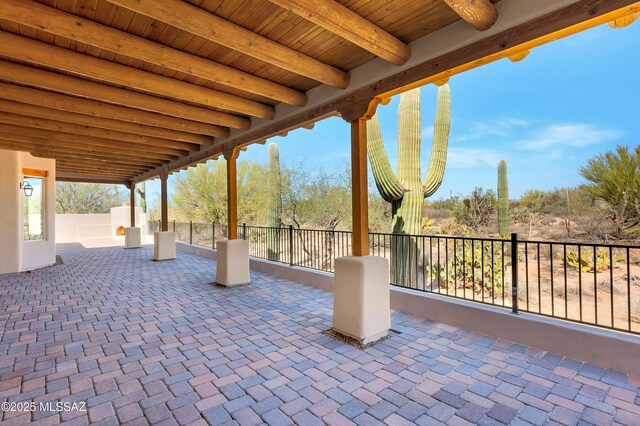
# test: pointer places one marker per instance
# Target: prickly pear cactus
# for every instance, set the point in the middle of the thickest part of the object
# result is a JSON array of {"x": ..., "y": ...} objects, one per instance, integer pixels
[
  {"x": 503, "y": 199},
  {"x": 405, "y": 191},
  {"x": 274, "y": 202}
]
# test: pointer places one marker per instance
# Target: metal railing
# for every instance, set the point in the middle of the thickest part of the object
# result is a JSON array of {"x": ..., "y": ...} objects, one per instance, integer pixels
[
  {"x": 308, "y": 248},
  {"x": 194, "y": 233},
  {"x": 595, "y": 284}
]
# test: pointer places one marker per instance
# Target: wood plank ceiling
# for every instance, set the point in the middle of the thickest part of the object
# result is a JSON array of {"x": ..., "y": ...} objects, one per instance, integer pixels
[{"x": 113, "y": 89}]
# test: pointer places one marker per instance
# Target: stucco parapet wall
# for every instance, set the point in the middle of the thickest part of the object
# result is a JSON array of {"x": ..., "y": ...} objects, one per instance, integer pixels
[{"x": 593, "y": 345}]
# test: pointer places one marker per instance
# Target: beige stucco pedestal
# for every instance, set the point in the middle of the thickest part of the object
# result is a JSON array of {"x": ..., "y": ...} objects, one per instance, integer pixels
[
  {"x": 164, "y": 245},
  {"x": 132, "y": 238},
  {"x": 361, "y": 307},
  {"x": 232, "y": 263}
]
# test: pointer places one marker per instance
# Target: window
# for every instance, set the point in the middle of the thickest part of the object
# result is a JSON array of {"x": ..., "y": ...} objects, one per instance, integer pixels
[{"x": 34, "y": 210}]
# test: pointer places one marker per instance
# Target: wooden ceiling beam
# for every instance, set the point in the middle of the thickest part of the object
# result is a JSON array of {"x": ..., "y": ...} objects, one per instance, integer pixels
[
  {"x": 480, "y": 14},
  {"x": 110, "y": 170},
  {"x": 103, "y": 168},
  {"x": 106, "y": 165},
  {"x": 113, "y": 164},
  {"x": 114, "y": 161},
  {"x": 58, "y": 126},
  {"x": 145, "y": 151},
  {"x": 73, "y": 159},
  {"x": 26, "y": 75},
  {"x": 98, "y": 172},
  {"x": 54, "y": 21},
  {"x": 79, "y": 155},
  {"x": 134, "y": 158},
  {"x": 185, "y": 130},
  {"x": 107, "y": 170},
  {"x": 137, "y": 130},
  {"x": 74, "y": 177},
  {"x": 218, "y": 30},
  {"x": 103, "y": 172},
  {"x": 37, "y": 52},
  {"x": 342, "y": 21}
]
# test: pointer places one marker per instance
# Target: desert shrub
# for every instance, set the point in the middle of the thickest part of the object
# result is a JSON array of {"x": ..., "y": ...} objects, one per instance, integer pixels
[
  {"x": 520, "y": 215},
  {"x": 557, "y": 202},
  {"x": 477, "y": 209},
  {"x": 456, "y": 229},
  {"x": 445, "y": 204},
  {"x": 614, "y": 176}
]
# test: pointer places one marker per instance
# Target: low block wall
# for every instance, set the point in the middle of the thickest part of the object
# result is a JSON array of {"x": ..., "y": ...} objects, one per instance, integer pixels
[
  {"x": 70, "y": 228},
  {"x": 605, "y": 348}
]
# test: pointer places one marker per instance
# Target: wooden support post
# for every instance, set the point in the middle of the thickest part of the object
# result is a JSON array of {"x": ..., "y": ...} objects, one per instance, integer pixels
[
  {"x": 232, "y": 194},
  {"x": 163, "y": 202},
  {"x": 359, "y": 194},
  {"x": 132, "y": 203},
  {"x": 357, "y": 115}
]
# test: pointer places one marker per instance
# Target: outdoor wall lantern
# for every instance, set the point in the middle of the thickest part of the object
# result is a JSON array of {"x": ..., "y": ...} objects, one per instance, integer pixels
[{"x": 27, "y": 188}]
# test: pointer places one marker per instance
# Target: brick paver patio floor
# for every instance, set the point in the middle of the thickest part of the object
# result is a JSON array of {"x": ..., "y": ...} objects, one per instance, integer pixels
[{"x": 144, "y": 342}]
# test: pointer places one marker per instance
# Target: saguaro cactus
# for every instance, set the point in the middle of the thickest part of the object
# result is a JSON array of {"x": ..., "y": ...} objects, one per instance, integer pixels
[
  {"x": 142, "y": 191},
  {"x": 503, "y": 199},
  {"x": 406, "y": 192},
  {"x": 274, "y": 202}
]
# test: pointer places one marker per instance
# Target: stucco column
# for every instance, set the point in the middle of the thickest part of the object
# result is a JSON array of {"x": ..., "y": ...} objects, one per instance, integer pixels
[
  {"x": 164, "y": 244},
  {"x": 361, "y": 303},
  {"x": 232, "y": 258}
]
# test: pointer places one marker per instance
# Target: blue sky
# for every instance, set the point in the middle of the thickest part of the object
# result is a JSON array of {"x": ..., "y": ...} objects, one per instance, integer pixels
[{"x": 546, "y": 116}]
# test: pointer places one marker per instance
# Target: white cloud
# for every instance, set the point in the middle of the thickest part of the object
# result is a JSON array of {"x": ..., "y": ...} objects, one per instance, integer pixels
[
  {"x": 465, "y": 158},
  {"x": 500, "y": 127},
  {"x": 574, "y": 135}
]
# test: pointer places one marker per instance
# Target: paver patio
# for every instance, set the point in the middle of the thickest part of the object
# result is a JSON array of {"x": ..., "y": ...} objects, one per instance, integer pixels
[{"x": 145, "y": 342}]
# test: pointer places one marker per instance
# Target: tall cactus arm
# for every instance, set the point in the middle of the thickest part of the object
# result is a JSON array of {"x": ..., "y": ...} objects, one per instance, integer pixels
[
  {"x": 438, "y": 159},
  {"x": 503, "y": 199},
  {"x": 388, "y": 185}
]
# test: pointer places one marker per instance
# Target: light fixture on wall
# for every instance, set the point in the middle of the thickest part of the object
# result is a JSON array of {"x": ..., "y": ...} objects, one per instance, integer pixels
[{"x": 27, "y": 188}]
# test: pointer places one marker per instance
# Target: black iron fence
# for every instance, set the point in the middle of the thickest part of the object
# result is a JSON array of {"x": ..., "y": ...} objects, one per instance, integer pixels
[
  {"x": 198, "y": 234},
  {"x": 595, "y": 284},
  {"x": 309, "y": 248}
]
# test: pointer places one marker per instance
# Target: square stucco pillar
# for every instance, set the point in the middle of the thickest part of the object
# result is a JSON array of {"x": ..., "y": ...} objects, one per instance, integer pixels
[
  {"x": 361, "y": 307},
  {"x": 232, "y": 263},
  {"x": 164, "y": 245},
  {"x": 132, "y": 238}
]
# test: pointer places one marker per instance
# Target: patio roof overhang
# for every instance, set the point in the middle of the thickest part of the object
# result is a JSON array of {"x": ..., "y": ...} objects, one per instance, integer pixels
[{"x": 121, "y": 91}]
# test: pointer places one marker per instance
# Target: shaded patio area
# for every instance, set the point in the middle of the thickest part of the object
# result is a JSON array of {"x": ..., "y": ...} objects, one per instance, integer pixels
[{"x": 145, "y": 342}]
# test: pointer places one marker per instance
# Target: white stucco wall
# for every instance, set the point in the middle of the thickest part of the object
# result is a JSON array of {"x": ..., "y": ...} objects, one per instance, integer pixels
[
  {"x": 36, "y": 254},
  {"x": 17, "y": 255},
  {"x": 71, "y": 227},
  {"x": 74, "y": 228},
  {"x": 10, "y": 216},
  {"x": 121, "y": 216}
]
